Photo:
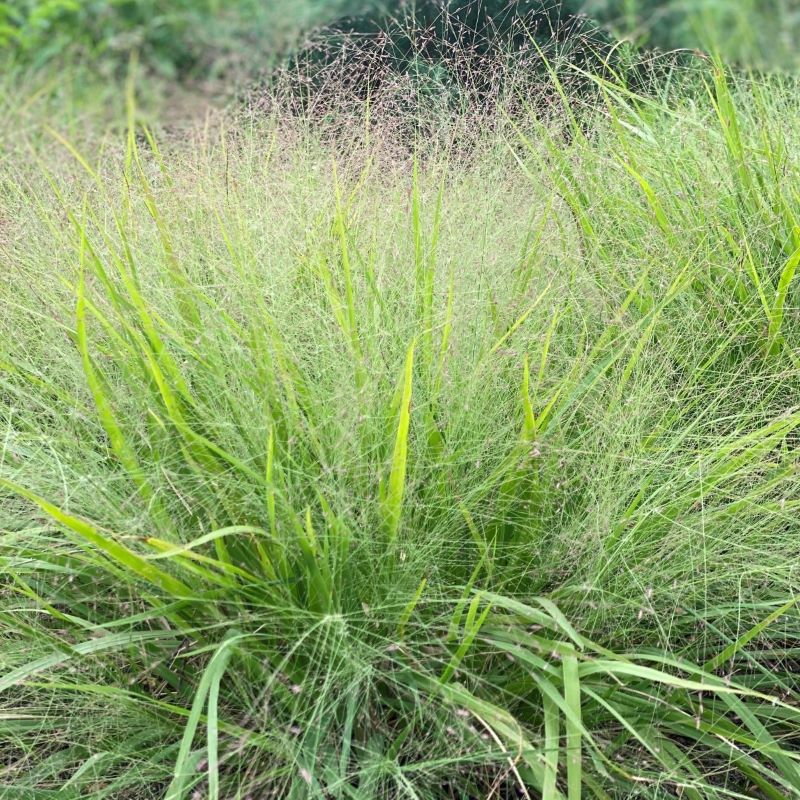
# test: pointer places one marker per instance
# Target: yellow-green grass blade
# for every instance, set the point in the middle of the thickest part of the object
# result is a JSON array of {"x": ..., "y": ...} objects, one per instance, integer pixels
[
  {"x": 188, "y": 563},
  {"x": 548, "y": 339},
  {"x": 119, "y": 443},
  {"x": 455, "y": 621},
  {"x": 319, "y": 582},
  {"x": 393, "y": 501},
  {"x": 278, "y": 560},
  {"x": 678, "y": 284},
  {"x": 761, "y": 281},
  {"x": 620, "y": 668},
  {"x": 550, "y": 617},
  {"x": 778, "y": 310},
  {"x": 93, "y": 646},
  {"x": 765, "y": 741},
  {"x": 444, "y": 345},
  {"x": 74, "y": 152},
  {"x": 232, "y": 530},
  {"x": 514, "y": 327},
  {"x": 118, "y": 553},
  {"x": 632, "y": 728},
  {"x": 477, "y": 536},
  {"x": 409, "y": 609},
  {"x": 334, "y": 300},
  {"x": 472, "y": 627},
  {"x": 728, "y": 117},
  {"x": 184, "y": 289},
  {"x": 198, "y": 446},
  {"x": 530, "y": 250},
  {"x": 425, "y": 265},
  {"x": 340, "y": 224},
  {"x": 561, "y": 172},
  {"x": 652, "y": 199},
  {"x": 133, "y": 302},
  {"x": 212, "y": 735},
  {"x": 500, "y": 720},
  {"x": 734, "y": 647},
  {"x": 169, "y": 550}
]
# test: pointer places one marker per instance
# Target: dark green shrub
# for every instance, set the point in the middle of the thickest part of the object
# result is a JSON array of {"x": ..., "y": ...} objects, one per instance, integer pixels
[{"x": 453, "y": 52}]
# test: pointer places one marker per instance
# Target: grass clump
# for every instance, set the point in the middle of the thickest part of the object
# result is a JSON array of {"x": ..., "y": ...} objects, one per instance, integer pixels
[{"x": 335, "y": 469}]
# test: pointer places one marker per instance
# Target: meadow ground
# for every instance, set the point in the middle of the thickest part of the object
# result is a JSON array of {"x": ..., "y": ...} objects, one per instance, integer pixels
[{"x": 343, "y": 465}]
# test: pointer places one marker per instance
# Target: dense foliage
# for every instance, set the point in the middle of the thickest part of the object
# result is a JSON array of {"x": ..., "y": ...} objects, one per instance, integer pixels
[
  {"x": 357, "y": 458},
  {"x": 180, "y": 36},
  {"x": 444, "y": 479},
  {"x": 176, "y": 36},
  {"x": 751, "y": 33}
]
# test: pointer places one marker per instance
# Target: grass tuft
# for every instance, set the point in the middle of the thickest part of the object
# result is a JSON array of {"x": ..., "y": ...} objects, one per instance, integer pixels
[{"x": 334, "y": 467}]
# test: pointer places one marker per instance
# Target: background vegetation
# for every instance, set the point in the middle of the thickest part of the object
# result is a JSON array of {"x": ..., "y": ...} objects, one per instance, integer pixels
[
  {"x": 173, "y": 36},
  {"x": 182, "y": 36}
]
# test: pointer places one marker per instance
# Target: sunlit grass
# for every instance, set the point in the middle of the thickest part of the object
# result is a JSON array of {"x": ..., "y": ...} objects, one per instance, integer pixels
[{"x": 353, "y": 469}]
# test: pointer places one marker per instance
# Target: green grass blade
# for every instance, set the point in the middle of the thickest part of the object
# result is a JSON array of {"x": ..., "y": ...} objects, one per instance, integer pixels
[
  {"x": 409, "y": 609},
  {"x": 184, "y": 771},
  {"x": 777, "y": 312},
  {"x": 517, "y": 324},
  {"x": 118, "y": 553},
  {"x": 734, "y": 647},
  {"x": 529, "y": 418},
  {"x": 472, "y": 627},
  {"x": 119, "y": 443},
  {"x": 393, "y": 502},
  {"x": 552, "y": 747},
  {"x": 574, "y": 754}
]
